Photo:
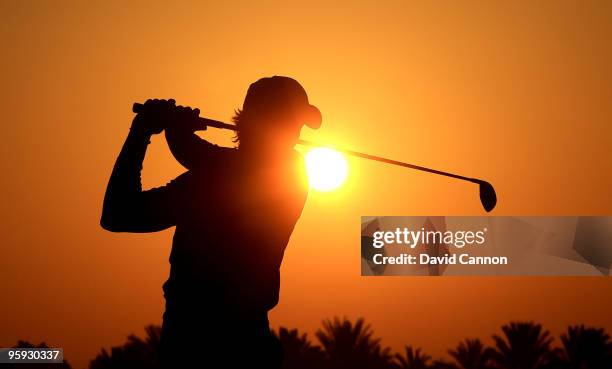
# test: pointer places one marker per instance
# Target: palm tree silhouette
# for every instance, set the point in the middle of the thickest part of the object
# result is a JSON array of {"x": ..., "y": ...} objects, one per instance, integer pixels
[
  {"x": 136, "y": 353},
  {"x": 299, "y": 352},
  {"x": 348, "y": 345},
  {"x": 414, "y": 359},
  {"x": 586, "y": 347},
  {"x": 526, "y": 346},
  {"x": 472, "y": 354}
]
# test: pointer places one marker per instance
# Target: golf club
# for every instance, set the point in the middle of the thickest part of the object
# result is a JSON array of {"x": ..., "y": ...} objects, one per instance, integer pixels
[{"x": 488, "y": 198}]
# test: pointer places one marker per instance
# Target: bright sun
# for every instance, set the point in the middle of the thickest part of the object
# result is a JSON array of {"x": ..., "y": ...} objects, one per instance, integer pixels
[{"x": 327, "y": 168}]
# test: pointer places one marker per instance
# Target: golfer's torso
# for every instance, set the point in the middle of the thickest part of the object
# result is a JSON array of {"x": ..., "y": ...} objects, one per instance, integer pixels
[{"x": 230, "y": 235}]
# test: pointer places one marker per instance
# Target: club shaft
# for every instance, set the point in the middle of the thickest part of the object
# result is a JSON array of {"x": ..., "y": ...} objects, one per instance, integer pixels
[
  {"x": 390, "y": 161},
  {"x": 216, "y": 124}
]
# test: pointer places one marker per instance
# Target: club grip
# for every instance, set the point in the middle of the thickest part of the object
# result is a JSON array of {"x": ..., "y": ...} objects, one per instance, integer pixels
[{"x": 138, "y": 107}]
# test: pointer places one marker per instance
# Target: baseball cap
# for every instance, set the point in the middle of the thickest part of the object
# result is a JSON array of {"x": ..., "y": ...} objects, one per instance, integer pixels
[{"x": 278, "y": 92}]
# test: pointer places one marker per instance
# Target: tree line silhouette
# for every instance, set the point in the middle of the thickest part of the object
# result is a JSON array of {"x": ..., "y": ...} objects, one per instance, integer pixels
[{"x": 343, "y": 344}]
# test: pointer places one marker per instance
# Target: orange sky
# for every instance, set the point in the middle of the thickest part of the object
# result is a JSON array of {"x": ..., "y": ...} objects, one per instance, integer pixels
[{"x": 515, "y": 94}]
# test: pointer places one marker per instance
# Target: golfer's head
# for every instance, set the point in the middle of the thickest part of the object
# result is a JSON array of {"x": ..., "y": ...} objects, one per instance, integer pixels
[{"x": 273, "y": 113}]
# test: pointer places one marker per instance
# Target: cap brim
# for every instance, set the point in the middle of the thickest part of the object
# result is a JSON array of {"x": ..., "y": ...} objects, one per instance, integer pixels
[{"x": 313, "y": 117}]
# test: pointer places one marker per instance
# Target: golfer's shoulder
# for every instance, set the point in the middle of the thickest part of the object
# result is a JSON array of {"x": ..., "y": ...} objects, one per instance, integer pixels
[
  {"x": 215, "y": 157},
  {"x": 181, "y": 180},
  {"x": 217, "y": 152}
]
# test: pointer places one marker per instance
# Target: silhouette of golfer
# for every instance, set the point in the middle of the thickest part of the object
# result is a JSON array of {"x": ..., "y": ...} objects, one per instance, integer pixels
[{"x": 234, "y": 211}]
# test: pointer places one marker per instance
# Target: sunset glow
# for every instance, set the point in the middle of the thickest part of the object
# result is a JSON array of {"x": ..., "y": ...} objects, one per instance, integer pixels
[
  {"x": 516, "y": 93},
  {"x": 327, "y": 168}
]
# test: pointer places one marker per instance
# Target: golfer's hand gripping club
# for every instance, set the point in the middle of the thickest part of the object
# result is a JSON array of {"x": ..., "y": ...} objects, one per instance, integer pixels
[{"x": 198, "y": 123}]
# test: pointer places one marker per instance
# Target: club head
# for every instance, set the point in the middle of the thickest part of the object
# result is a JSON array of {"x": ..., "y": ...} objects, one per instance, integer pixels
[{"x": 488, "y": 198}]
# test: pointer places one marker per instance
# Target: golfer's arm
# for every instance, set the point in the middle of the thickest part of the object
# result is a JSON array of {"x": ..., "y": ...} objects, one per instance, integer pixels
[
  {"x": 194, "y": 151},
  {"x": 126, "y": 207}
]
